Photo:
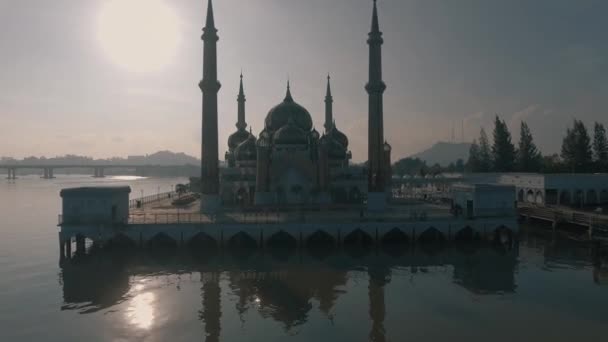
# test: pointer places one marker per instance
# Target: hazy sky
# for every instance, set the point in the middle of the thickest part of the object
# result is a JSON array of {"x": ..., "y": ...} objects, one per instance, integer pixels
[{"x": 63, "y": 90}]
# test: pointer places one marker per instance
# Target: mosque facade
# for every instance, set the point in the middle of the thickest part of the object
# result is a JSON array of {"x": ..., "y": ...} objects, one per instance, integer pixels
[{"x": 289, "y": 162}]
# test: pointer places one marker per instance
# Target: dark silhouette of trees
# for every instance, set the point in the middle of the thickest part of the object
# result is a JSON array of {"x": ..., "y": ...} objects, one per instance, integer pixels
[
  {"x": 576, "y": 148},
  {"x": 503, "y": 150},
  {"x": 552, "y": 164},
  {"x": 485, "y": 154},
  {"x": 600, "y": 147},
  {"x": 474, "y": 162},
  {"x": 529, "y": 158},
  {"x": 579, "y": 153},
  {"x": 410, "y": 167}
]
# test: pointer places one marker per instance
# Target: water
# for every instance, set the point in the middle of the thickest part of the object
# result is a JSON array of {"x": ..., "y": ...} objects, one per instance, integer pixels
[{"x": 546, "y": 289}]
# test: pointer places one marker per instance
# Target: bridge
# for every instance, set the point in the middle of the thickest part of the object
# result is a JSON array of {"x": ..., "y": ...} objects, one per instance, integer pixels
[{"x": 98, "y": 170}]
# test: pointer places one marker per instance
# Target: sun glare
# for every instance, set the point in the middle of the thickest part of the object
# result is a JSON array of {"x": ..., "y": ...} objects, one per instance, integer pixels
[{"x": 139, "y": 35}]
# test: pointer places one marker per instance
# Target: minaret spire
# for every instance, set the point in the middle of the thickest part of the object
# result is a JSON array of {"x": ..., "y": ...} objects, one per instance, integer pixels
[
  {"x": 375, "y": 88},
  {"x": 288, "y": 97},
  {"x": 210, "y": 86},
  {"x": 375, "y": 22},
  {"x": 241, "y": 124},
  {"x": 210, "y": 19},
  {"x": 329, "y": 112}
]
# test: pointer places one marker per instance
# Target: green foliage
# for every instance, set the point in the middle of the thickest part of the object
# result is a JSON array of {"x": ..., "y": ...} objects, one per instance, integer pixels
[
  {"x": 600, "y": 147},
  {"x": 410, "y": 167},
  {"x": 485, "y": 155},
  {"x": 503, "y": 151},
  {"x": 473, "y": 164},
  {"x": 480, "y": 156},
  {"x": 553, "y": 164},
  {"x": 576, "y": 148},
  {"x": 529, "y": 158}
]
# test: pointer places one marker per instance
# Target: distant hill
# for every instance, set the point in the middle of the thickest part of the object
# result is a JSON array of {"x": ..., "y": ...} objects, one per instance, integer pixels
[
  {"x": 167, "y": 158},
  {"x": 444, "y": 153}
]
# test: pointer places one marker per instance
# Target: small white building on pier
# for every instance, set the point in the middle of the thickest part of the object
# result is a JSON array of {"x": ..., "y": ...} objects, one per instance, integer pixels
[
  {"x": 95, "y": 205},
  {"x": 484, "y": 200}
]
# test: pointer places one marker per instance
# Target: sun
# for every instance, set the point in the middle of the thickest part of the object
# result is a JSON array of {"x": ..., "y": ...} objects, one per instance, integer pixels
[{"x": 138, "y": 35}]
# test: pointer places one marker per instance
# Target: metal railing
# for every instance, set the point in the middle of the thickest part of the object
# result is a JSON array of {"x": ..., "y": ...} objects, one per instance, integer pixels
[
  {"x": 142, "y": 201},
  {"x": 268, "y": 217}
]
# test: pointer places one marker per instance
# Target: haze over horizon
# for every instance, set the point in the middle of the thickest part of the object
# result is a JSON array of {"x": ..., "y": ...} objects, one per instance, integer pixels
[{"x": 115, "y": 78}]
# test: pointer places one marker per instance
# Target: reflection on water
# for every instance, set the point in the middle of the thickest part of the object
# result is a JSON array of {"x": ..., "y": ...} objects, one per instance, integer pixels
[
  {"x": 288, "y": 290},
  {"x": 546, "y": 289},
  {"x": 141, "y": 310},
  {"x": 126, "y": 178}
]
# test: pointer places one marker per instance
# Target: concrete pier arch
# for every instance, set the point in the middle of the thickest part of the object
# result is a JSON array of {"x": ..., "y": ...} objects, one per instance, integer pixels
[
  {"x": 431, "y": 235},
  {"x": 202, "y": 241},
  {"x": 395, "y": 243},
  {"x": 242, "y": 240},
  {"x": 466, "y": 234},
  {"x": 120, "y": 241},
  {"x": 282, "y": 239},
  {"x": 162, "y": 241},
  {"x": 358, "y": 243}
]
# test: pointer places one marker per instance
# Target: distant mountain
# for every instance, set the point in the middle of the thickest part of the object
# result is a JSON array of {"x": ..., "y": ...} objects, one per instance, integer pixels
[
  {"x": 444, "y": 153},
  {"x": 166, "y": 158}
]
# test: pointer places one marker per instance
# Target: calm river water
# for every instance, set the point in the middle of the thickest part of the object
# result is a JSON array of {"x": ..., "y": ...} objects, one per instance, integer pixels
[{"x": 546, "y": 289}]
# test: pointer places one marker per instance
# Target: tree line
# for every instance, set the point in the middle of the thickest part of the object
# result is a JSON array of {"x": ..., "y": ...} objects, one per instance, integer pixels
[{"x": 579, "y": 154}]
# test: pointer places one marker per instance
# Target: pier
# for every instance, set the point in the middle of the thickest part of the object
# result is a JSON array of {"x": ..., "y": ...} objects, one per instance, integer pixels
[
  {"x": 289, "y": 230},
  {"x": 596, "y": 223}
]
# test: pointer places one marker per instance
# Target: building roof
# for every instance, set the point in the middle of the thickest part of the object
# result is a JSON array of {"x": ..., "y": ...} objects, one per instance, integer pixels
[{"x": 95, "y": 190}]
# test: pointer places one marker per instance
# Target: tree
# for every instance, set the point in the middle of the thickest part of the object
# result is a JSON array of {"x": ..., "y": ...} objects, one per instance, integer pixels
[
  {"x": 529, "y": 158},
  {"x": 409, "y": 166},
  {"x": 485, "y": 156},
  {"x": 474, "y": 162},
  {"x": 576, "y": 148},
  {"x": 600, "y": 147},
  {"x": 552, "y": 164},
  {"x": 503, "y": 151}
]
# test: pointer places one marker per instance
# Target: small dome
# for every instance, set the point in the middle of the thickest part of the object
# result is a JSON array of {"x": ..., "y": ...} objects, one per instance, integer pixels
[
  {"x": 335, "y": 150},
  {"x": 290, "y": 134},
  {"x": 237, "y": 138},
  {"x": 314, "y": 134},
  {"x": 340, "y": 137},
  {"x": 279, "y": 115},
  {"x": 247, "y": 150}
]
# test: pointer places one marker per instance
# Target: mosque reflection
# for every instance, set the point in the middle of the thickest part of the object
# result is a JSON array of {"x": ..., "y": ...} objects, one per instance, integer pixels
[{"x": 280, "y": 285}]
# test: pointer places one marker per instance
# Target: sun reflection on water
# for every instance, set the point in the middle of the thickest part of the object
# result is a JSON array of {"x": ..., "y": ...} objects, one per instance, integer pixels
[{"x": 140, "y": 312}]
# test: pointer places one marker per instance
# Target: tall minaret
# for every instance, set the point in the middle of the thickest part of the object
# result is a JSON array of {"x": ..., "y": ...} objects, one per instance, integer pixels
[
  {"x": 329, "y": 111},
  {"x": 375, "y": 88},
  {"x": 210, "y": 87},
  {"x": 241, "y": 124}
]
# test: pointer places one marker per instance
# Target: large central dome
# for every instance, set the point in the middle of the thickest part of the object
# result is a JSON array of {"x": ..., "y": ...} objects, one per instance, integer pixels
[{"x": 280, "y": 115}]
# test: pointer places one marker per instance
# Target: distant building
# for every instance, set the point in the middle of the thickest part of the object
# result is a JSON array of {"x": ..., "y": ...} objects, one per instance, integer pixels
[{"x": 560, "y": 189}]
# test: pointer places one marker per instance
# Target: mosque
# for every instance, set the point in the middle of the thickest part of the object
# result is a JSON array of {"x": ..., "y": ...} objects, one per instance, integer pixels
[{"x": 290, "y": 162}]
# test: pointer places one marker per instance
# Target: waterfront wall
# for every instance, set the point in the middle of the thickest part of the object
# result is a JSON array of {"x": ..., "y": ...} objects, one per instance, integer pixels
[{"x": 293, "y": 234}]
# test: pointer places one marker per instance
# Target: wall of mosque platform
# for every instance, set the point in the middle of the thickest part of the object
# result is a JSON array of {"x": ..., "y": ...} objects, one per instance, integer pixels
[{"x": 500, "y": 230}]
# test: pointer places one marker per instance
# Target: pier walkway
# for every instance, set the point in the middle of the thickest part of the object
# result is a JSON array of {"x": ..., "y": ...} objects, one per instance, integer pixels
[{"x": 596, "y": 223}]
